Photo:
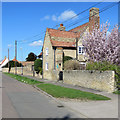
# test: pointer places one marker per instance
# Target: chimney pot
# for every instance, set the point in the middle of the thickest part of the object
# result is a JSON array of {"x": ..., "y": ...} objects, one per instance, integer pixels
[
  {"x": 61, "y": 25},
  {"x": 62, "y": 28}
]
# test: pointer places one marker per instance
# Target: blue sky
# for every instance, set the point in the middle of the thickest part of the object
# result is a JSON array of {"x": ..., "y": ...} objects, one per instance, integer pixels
[{"x": 22, "y": 21}]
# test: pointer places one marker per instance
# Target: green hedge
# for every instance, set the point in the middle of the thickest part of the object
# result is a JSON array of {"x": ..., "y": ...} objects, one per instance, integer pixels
[
  {"x": 38, "y": 66},
  {"x": 66, "y": 58}
]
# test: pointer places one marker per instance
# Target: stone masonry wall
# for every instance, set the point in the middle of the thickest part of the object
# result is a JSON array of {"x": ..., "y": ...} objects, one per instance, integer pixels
[
  {"x": 71, "y": 53},
  {"x": 19, "y": 71},
  {"x": 48, "y": 58},
  {"x": 103, "y": 81},
  {"x": 81, "y": 57}
]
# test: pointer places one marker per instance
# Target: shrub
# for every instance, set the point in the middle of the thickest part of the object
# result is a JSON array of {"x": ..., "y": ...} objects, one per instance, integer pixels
[
  {"x": 71, "y": 65},
  {"x": 66, "y": 58},
  {"x": 40, "y": 69},
  {"x": 102, "y": 66},
  {"x": 38, "y": 66}
]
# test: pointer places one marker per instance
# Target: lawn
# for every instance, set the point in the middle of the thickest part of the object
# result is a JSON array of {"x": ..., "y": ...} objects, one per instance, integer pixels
[
  {"x": 62, "y": 92},
  {"x": 23, "y": 79}
]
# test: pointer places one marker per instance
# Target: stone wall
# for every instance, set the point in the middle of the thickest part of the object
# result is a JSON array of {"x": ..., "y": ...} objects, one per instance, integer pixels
[
  {"x": 19, "y": 71},
  {"x": 103, "y": 81},
  {"x": 70, "y": 52}
]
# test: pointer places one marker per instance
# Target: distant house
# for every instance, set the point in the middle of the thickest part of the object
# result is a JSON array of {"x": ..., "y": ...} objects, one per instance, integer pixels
[
  {"x": 3, "y": 62},
  {"x": 59, "y": 43},
  {"x": 40, "y": 56},
  {"x": 15, "y": 59},
  {"x": 28, "y": 65}
]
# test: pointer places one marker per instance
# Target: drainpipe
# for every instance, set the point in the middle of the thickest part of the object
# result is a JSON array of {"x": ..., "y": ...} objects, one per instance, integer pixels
[
  {"x": 63, "y": 61},
  {"x": 54, "y": 58},
  {"x": 42, "y": 64},
  {"x": 76, "y": 48}
]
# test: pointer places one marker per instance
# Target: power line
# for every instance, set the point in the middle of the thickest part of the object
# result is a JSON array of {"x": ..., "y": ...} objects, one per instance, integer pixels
[
  {"x": 81, "y": 12},
  {"x": 31, "y": 41},
  {"x": 65, "y": 20},
  {"x": 84, "y": 18},
  {"x": 29, "y": 38}
]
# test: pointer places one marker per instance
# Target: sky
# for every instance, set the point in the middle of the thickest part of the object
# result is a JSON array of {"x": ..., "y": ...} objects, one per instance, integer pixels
[{"x": 26, "y": 22}]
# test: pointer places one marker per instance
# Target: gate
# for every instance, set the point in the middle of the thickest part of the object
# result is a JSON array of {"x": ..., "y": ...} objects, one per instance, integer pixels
[{"x": 61, "y": 75}]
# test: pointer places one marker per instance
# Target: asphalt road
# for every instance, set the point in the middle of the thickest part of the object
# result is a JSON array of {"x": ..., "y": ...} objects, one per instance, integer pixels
[{"x": 20, "y": 100}]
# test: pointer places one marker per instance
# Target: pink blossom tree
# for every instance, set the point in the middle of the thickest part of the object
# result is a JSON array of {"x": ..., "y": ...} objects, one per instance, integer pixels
[{"x": 101, "y": 46}]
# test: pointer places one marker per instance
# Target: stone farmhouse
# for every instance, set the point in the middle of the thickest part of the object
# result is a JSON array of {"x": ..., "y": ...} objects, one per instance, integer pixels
[{"x": 59, "y": 43}]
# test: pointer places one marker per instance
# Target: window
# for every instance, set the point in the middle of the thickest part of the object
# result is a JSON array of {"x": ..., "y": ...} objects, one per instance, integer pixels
[
  {"x": 46, "y": 66},
  {"x": 46, "y": 51},
  {"x": 81, "y": 50}
]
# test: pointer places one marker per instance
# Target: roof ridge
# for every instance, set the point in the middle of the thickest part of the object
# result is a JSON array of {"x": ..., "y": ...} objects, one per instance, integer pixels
[
  {"x": 62, "y": 41},
  {"x": 59, "y": 30},
  {"x": 79, "y": 26}
]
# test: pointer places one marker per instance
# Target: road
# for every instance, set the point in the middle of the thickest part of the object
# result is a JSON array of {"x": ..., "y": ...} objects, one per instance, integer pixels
[{"x": 21, "y": 100}]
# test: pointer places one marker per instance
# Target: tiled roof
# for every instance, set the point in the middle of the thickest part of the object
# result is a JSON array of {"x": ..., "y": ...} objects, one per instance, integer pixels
[
  {"x": 57, "y": 35},
  {"x": 62, "y": 43},
  {"x": 79, "y": 28},
  {"x": 62, "y": 34},
  {"x": 15, "y": 60},
  {"x": 3, "y": 61},
  {"x": 40, "y": 54}
]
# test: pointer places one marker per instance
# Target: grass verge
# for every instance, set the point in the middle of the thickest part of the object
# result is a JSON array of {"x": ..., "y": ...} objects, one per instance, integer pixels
[
  {"x": 62, "y": 92},
  {"x": 58, "y": 91},
  {"x": 23, "y": 79},
  {"x": 117, "y": 92}
]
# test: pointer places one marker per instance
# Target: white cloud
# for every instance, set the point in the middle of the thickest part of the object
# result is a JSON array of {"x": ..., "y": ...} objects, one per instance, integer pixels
[
  {"x": 67, "y": 15},
  {"x": 47, "y": 17},
  {"x": 36, "y": 43},
  {"x": 54, "y": 18}
]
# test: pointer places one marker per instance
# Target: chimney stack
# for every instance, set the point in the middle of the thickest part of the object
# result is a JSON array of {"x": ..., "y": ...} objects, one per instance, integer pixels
[
  {"x": 94, "y": 18},
  {"x": 62, "y": 28}
]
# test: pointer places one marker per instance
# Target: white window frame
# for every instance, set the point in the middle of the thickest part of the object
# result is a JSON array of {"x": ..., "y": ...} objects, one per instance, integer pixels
[
  {"x": 82, "y": 52},
  {"x": 47, "y": 52},
  {"x": 46, "y": 66}
]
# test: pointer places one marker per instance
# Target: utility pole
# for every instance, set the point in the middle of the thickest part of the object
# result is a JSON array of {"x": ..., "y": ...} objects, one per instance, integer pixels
[
  {"x": 8, "y": 60},
  {"x": 15, "y": 56},
  {"x": 21, "y": 61}
]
